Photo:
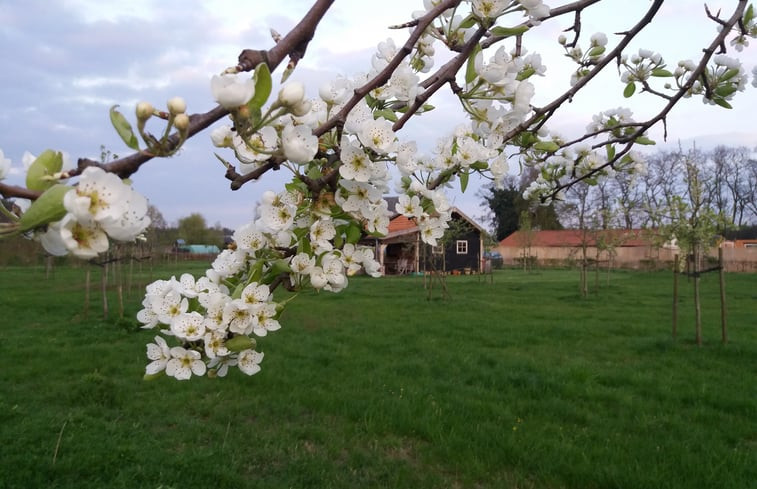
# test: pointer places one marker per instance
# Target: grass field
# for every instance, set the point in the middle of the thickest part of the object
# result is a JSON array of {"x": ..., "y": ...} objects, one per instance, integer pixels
[{"x": 515, "y": 384}]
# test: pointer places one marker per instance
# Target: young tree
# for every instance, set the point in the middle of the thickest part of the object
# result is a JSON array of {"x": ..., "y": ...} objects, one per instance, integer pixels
[
  {"x": 693, "y": 223},
  {"x": 338, "y": 149}
]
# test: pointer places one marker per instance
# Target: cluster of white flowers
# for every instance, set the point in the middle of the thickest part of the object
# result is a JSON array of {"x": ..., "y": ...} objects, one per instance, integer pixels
[
  {"x": 584, "y": 59},
  {"x": 618, "y": 122},
  {"x": 216, "y": 318},
  {"x": 212, "y": 326},
  {"x": 501, "y": 92},
  {"x": 278, "y": 133},
  {"x": 641, "y": 66},
  {"x": 724, "y": 77},
  {"x": 100, "y": 207}
]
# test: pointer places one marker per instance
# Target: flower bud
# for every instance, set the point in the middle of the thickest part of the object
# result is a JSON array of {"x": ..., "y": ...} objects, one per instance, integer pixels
[
  {"x": 292, "y": 94},
  {"x": 144, "y": 110},
  {"x": 154, "y": 376},
  {"x": 301, "y": 109},
  {"x": 240, "y": 343},
  {"x": 181, "y": 122},
  {"x": 177, "y": 105}
]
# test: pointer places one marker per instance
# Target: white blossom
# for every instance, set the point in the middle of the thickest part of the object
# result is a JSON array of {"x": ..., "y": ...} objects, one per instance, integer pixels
[
  {"x": 249, "y": 362},
  {"x": 184, "y": 363},
  {"x": 230, "y": 92},
  {"x": 299, "y": 143}
]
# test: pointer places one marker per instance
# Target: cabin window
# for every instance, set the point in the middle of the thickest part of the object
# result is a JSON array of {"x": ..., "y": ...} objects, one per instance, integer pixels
[{"x": 462, "y": 247}]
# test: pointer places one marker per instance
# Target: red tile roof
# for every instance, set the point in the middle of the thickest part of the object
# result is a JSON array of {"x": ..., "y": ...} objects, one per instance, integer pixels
[
  {"x": 401, "y": 223},
  {"x": 575, "y": 237}
]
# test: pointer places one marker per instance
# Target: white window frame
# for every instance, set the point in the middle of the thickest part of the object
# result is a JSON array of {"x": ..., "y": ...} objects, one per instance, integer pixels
[
  {"x": 437, "y": 250},
  {"x": 461, "y": 247}
]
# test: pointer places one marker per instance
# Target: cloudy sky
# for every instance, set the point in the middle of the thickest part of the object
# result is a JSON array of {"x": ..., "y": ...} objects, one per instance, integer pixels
[{"x": 66, "y": 62}]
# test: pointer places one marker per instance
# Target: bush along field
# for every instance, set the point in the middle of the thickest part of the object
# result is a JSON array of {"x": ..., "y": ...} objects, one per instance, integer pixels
[{"x": 514, "y": 381}]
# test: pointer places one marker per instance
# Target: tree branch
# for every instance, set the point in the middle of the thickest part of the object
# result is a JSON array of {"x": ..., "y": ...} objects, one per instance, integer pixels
[{"x": 293, "y": 44}]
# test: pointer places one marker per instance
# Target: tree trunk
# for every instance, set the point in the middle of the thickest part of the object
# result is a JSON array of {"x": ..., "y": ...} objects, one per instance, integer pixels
[
  {"x": 584, "y": 286},
  {"x": 48, "y": 266},
  {"x": 723, "y": 309},
  {"x": 697, "y": 301},
  {"x": 676, "y": 265},
  {"x": 104, "y": 289},
  {"x": 86, "y": 289}
]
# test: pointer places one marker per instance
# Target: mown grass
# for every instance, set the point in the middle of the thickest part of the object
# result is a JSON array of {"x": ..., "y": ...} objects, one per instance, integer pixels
[{"x": 515, "y": 384}]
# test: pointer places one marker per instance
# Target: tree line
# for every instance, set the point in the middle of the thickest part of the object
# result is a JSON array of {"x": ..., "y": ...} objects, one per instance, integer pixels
[{"x": 721, "y": 182}]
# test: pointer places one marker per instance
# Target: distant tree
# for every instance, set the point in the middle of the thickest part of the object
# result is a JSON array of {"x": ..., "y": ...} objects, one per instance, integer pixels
[
  {"x": 731, "y": 185},
  {"x": 506, "y": 206},
  {"x": 629, "y": 200},
  {"x": 193, "y": 229},
  {"x": 157, "y": 221}
]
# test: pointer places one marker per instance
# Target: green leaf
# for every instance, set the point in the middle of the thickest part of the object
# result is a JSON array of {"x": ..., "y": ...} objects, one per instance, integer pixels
[
  {"x": 464, "y": 176},
  {"x": 296, "y": 186},
  {"x": 729, "y": 74},
  {"x": 547, "y": 146},
  {"x": 406, "y": 182},
  {"x": 645, "y": 141},
  {"x": 749, "y": 14},
  {"x": 468, "y": 22},
  {"x": 263, "y": 86},
  {"x": 525, "y": 74},
  {"x": 479, "y": 165},
  {"x": 46, "y": 209},
  {"x": 596, "y": 51},
  {"x": 428, "y": 107},
  {"x": 629, "y": 90},
  {"x": 386, "y": 114},
  {"x": 470, "y": 70},
  {"x": 123, "y": 128},
  {"x": 725, "y": 90},
  {"x": 277, "y": 268},
  {"x": 44, "y": 167},
  {"x": 721, "y": 102},
  {"x": 304, "y": 246},
  {"x": 661, "y": 72},
  {"x": 314, "y": 172},
  {"x": 354, "y": 233},
  {"x": 508, "y": 31},
  {"x": 610, "y": 151},
  {"x": 527, "y": 139}
]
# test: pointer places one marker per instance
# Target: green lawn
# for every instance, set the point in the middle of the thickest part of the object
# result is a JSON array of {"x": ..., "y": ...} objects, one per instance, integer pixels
[{"x": 515, "y": 384}]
